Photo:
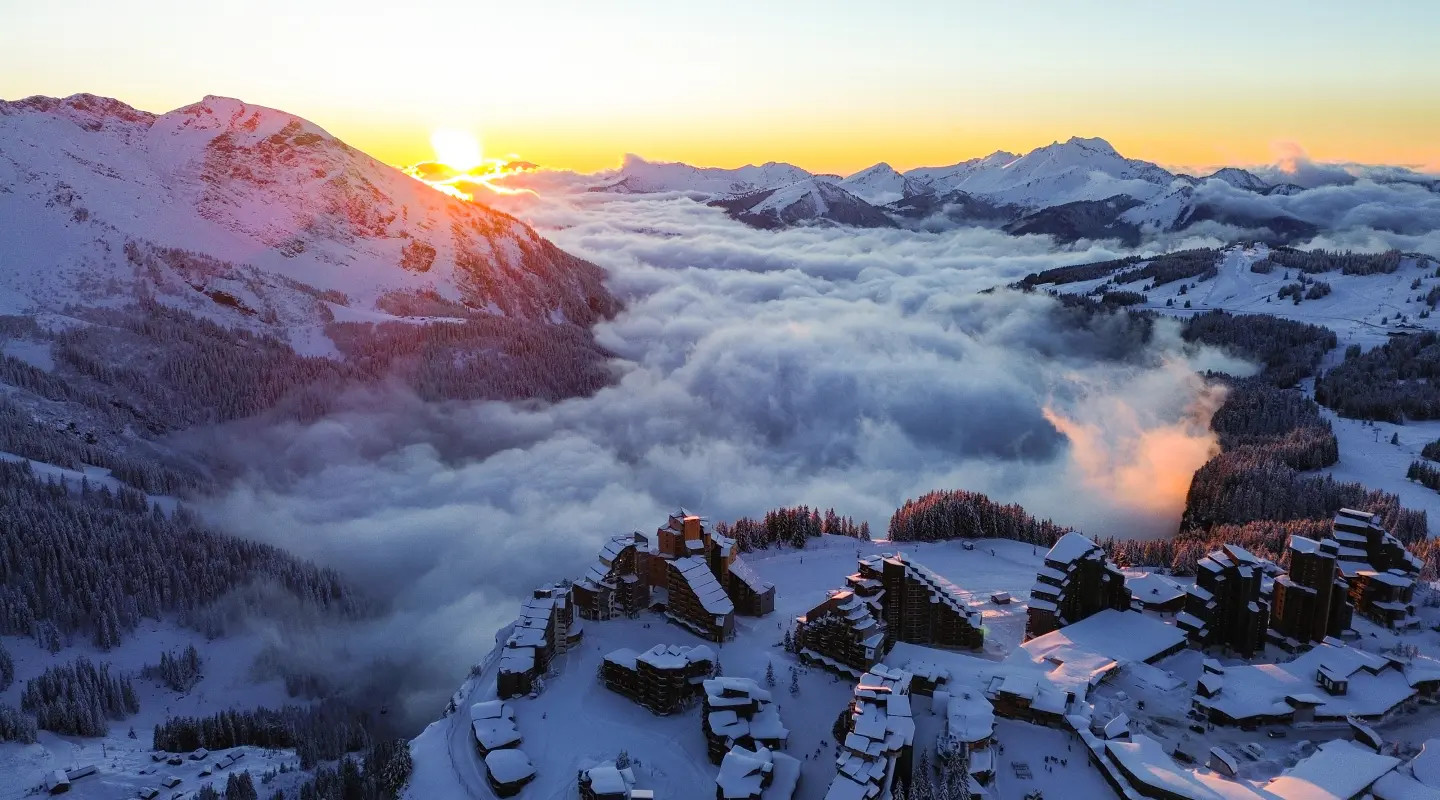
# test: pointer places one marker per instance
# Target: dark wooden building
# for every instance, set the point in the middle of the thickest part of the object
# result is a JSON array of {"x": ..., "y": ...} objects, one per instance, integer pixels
[
  {"x": 919, "y": 606},
  {"x": 1388, "y": 598},
  {"x": 661, "y": 678},
  {"x": 1312, "y": 601},
  {"x": 844, "y": 630},
  {"x": 1076, "y": 581},
  {"x": 1225, "y": 607},
  {"x": 617, "y": 584}
]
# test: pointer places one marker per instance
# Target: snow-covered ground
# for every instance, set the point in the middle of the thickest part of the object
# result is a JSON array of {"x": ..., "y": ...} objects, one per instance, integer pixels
[
  {"x": 576, "y": 719},
  {"x": 124, "y": 764},
  {"x": 1354, "y": 308}
]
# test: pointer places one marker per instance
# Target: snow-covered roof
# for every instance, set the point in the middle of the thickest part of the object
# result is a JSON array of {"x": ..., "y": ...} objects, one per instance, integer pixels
[
  {"x": 1396, "y": 785},
  {"x": 1426, "y": 764},
  {"x": 605, "y": 778},
  {"x": 879, "y": 729},
  {"x": 1071, "y": 547},
  {"x": 1387, "y": 578},
  {"x": 673, "y": 656},
  {"x": 509, "y": 766},
  {"x": 1146, "y": 762},
  {"x": 517, "y": 659},
  {"x": 1225, "y": 758},
  {"x": 749, "y": 577},
  {"x": 623, "y": 656},
  {"x": 1117, "y": 727},
  {"x": 495, "y": 733},
  {"x": 969, "y": 717},
  {"x": 1374, "y": 688},
  {"x": 1339, "y": 770},
  {"x": 702, "y": 582},
  {"x": 1151, "y": 588},
  {"x": 743, "y": 774},
  {"x": 491, "y": 709},
  {"x": 1117, "y": 635}
]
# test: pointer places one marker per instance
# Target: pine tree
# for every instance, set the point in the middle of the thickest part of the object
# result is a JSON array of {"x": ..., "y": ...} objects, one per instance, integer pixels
[
  {"x": 794, "y": 681},
  {"x": 622, "y": 760},
  {"x": 787, "y": 644},
  {"x": 770, "y": 674},
  {"x": 7, "y": 668},
  {"x": 921, "y": 787}
]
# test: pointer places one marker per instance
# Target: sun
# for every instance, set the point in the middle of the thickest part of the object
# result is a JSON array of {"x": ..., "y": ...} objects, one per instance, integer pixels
[{"x": 457, "y": 149}]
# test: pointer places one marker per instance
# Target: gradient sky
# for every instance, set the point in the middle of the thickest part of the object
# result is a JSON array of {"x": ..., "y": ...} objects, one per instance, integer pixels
[{"x": 832, "y": 86}]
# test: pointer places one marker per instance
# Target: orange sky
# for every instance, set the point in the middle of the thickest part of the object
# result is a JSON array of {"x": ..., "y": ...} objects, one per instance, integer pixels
[{"x": 830, "y": 85}]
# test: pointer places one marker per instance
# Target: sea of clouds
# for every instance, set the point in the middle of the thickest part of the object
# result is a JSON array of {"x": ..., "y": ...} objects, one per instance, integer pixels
[{"x": 821, "y": 366}]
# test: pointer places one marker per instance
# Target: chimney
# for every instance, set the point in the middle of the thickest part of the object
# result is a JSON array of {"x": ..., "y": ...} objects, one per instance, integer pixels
[{"x": 691, "y": 526}]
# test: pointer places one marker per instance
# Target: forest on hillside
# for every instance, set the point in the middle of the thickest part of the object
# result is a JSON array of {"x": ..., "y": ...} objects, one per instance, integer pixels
[{"x": 1396, "y": 381}]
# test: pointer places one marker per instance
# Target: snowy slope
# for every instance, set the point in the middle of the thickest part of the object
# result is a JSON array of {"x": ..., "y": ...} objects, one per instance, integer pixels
[
  {"x": 942, "y": 179},
  {"x": 638, "y": 176},
  {"x": 294, "y": 221},
  {"x": 880, "y": 184},
  {"x": 124, "y": 764},
  {"x": 1239, "y": 178}
]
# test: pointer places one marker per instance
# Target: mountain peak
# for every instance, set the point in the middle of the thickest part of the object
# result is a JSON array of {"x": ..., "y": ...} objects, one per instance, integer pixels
[{"x": 1095, "y": 143}]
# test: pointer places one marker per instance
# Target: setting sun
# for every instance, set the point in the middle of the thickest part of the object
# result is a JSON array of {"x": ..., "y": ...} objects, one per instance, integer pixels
[{"x": 457, "y": 149}]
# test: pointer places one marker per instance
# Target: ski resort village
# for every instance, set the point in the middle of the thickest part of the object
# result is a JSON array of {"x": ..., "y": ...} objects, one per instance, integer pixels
[{"x": 973, "y": 668}]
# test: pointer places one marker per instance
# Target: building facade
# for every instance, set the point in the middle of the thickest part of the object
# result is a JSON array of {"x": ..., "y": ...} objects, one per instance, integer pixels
[
  {"x": 1225, "y": 607},
  {"x": 845, "y": 631},
  {"x": 1311, "y": 602},
  {"x": 917, "y": 605},
  {"x": 738, "y": 713},
  {"x": 1388, "y": 598},
  {"x": 1076, "y": 581},
  {"x": 662, "y": 678}
]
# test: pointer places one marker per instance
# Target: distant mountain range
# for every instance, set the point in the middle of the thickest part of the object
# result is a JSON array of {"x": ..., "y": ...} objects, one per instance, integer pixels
[{"x": 1077, "y": 189}]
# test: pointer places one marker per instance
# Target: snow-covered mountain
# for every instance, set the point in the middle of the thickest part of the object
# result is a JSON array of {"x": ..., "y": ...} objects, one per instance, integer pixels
[
  {"x": 1063, "y": 172},
  {"x": 257, "y": 218},
  {"x": 638, "y": 176},
  {"x": 881, "y": 184},
  {"x": 940, "y": 179},
  {"x": 808, "y": 202},
  {"x": 1239, "y": 178}
]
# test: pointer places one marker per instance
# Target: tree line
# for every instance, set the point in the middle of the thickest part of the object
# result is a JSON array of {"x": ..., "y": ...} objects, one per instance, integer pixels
[
  {"x": 1348, "y": 263},
  {"x": 791, "y": 527},
  {"x": 1287, "y": 351},
  {"x": 78, "y": 698},
  {"x": 95, "y": 562},
  {"x": 1396, "y": 381},
  {"x": 960, "y": 514},
  {"x": 319, "y": 732}
]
